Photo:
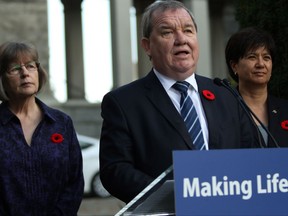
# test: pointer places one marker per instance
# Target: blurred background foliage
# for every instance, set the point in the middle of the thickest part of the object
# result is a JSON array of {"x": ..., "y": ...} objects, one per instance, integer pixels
[{"x": 272, "y": 16}]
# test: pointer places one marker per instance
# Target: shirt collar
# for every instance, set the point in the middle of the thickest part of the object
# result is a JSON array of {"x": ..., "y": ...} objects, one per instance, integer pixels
[
  {"x": 167, "y": 82},
  {"x": 6, "y": 115}
]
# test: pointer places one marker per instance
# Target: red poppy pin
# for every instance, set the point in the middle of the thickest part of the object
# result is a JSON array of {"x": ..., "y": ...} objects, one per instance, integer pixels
[
  {"x": 208, "y": 95},
  {"x": 57, "y": 138},
  {"x": 284, "y": 124}
]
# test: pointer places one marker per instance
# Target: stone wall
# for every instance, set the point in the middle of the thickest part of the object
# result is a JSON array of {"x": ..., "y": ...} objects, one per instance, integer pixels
[{"x": 26, "y": 20}]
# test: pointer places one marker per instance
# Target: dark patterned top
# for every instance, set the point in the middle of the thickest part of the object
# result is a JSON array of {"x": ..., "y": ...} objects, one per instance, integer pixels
[{"x": 44, "y": 179}]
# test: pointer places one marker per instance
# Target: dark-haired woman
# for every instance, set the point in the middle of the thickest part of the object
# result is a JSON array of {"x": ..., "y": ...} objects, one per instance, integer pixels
[{"x": 249, "y": 57}]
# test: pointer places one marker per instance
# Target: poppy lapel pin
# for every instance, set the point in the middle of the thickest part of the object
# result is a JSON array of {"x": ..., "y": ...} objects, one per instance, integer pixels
[
  {"x": 57, "y": 138},
  {"x": 284, "y": 125},
  {"x": 208, "y": 95}
]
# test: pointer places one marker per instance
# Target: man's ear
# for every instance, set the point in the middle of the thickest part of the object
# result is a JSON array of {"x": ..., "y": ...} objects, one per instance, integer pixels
[{"x": 145, "y": 43}]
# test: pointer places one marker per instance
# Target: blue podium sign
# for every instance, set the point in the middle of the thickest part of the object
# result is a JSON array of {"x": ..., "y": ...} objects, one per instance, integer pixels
[{"x": 231, "y": 182}]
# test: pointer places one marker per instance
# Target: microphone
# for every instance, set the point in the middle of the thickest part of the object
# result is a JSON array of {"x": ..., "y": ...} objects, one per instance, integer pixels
[{"x": 225, "y": 83}]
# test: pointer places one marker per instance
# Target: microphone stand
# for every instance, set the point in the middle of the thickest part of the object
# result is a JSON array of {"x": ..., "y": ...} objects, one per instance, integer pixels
[{"x": 248, "y": 111}]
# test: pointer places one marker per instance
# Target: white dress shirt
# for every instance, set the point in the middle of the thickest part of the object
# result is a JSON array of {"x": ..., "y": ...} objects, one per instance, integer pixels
[{"x": 175, "y": 96}]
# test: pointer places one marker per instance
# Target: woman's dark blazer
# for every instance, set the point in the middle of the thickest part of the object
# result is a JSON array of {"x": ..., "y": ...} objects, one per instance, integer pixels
[
  {"x": 277, "y": 113},
  {"x": 141, "y": 127}
]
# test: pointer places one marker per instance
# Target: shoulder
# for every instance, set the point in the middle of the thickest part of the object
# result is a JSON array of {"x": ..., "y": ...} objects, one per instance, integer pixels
[
  {"x": 205, "y": 83},
  {"x": 277, "y": 105},
  {"x": 276, "y": 101},
  {"x": 135, "y": 88}
]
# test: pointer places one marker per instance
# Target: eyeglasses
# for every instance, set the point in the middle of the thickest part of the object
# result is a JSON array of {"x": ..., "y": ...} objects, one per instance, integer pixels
[{"x": 30, "y": 66}]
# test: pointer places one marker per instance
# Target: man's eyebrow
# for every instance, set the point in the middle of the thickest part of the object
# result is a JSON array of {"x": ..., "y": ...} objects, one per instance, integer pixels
[
  {"x": 189, "y": 25},
  {"x": 165, "y": 26}
]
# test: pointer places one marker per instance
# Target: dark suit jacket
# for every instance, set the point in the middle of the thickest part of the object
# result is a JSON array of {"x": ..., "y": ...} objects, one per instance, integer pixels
[
  {"x": 141, "y": 128},
  {"x": 277, "y": 113}
]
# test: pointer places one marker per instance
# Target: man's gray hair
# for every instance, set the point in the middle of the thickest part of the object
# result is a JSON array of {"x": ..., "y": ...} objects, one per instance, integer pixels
[{"x": 161, "y": 5}]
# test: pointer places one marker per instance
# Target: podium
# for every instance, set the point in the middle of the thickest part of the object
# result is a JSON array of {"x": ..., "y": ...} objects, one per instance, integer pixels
[
  {"x": 156, "y": 199},
  {"x": 218, "y": 182},
  {"x": 161, "y": 202}
]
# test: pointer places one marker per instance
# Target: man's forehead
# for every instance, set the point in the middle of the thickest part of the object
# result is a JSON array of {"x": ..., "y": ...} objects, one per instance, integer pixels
[
  {"x": 171, "y": 15},
  {"x": 175, "y": 12}
]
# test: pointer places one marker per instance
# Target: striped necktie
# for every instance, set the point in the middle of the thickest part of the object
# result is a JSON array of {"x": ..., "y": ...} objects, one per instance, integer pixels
[{"x": 189, "y": 114}]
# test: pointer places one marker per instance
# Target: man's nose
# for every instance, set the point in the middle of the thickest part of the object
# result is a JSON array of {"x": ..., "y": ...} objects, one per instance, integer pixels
[{"x": 180, "y": 38}]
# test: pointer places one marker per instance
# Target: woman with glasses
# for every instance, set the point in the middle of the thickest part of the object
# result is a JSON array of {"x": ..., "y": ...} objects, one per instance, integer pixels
[{"x": 40, "y": 157}]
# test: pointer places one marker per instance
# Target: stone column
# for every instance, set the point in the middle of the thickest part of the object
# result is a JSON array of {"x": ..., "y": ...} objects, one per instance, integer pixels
[
  {"x": 121, "y": 42},
  {"x": 74, "y": 49},
  {"x": 144, "y": 64},
  {"x": 223, "y": 24},
  {"x": 200, "y": 9}
]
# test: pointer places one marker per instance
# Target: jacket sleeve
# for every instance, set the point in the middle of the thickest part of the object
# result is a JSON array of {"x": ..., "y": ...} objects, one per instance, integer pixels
[{"x": 118, "y": 171}]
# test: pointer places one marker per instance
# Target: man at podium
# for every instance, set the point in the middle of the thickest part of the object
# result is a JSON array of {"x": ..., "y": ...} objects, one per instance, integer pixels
[{"x": 172, "y": 108}]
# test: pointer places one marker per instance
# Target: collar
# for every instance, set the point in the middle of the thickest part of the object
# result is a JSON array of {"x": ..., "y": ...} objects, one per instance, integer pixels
[
  {"x": 167, "y": 82},
  {"x": 6, "y": 115}
]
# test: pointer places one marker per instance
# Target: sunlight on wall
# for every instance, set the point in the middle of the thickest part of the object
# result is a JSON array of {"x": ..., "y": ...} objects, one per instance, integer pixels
[
  {"x": 97, "y": 48},
  {"x": 56, "y": 40}
]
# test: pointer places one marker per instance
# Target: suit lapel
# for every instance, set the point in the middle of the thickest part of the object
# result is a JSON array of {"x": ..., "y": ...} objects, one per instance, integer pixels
[
  {"x": 209, "y": 109},
  {"x": 157, "y": 95}
]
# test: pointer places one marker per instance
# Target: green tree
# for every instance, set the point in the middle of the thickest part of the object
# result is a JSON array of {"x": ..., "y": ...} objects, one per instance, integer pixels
[{"x": 272, "y": 16}]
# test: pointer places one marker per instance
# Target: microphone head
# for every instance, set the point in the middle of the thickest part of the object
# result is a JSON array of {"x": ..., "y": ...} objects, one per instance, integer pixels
[
  {"x": 226, "y": 82},
  {"x": 218, "y": 81}
]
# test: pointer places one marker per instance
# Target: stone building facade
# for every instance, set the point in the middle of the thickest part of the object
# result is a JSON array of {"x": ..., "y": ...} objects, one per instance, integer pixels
[{"x": 26, "y": 20}]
